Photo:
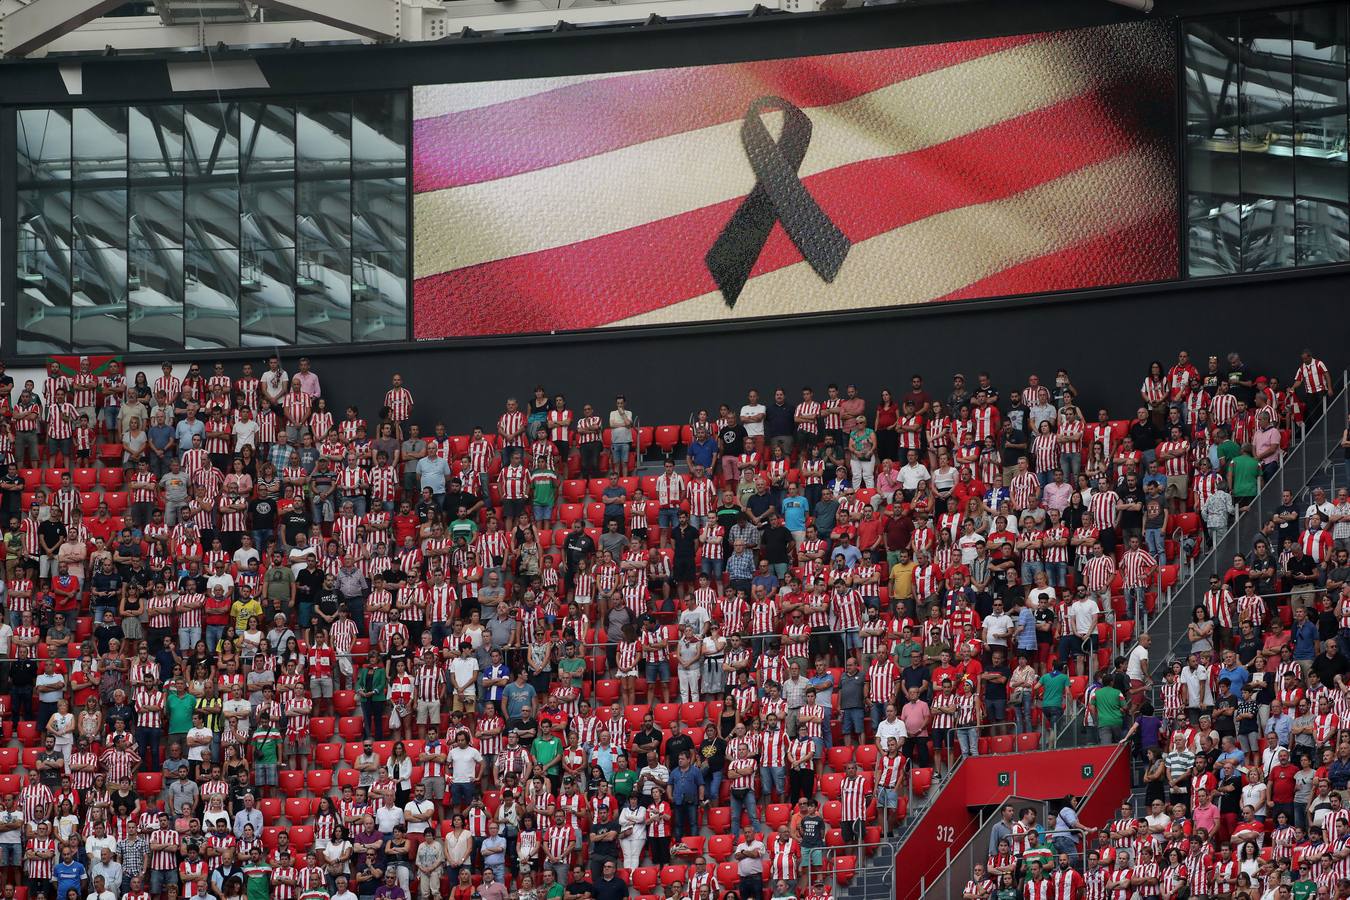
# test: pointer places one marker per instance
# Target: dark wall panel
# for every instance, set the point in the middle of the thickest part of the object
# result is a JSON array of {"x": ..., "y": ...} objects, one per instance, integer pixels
[{"x": 1106, "y": 340}]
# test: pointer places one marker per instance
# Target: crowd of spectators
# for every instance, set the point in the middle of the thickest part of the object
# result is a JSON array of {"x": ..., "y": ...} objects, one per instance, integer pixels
[{"x": 566, "y": 655}]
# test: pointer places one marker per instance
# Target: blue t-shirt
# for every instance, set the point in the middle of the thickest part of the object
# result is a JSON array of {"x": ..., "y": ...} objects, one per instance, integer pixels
[
  {"x": 1026, "y": 638},
  {"x": 518, "y": 698},
  {"x": 795, "y": 510},
  {"x": 68, "y": 875},
  {"x": 702, "y": 452},
  {"x": 1305, "y": 641},
  {"x": 1238, "y": 676}
]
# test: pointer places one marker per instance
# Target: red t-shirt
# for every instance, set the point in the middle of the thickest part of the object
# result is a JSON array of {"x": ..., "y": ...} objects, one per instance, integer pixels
[
  {"x": 405, "y": 526},
  {"x": 1282, "y": 783}
]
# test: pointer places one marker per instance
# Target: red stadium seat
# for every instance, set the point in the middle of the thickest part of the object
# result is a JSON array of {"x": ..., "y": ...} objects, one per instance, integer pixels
[
  {"x": 1028, "y": 742},
  {"x": 321, "y": 728},
  {"x": 270, "y": 836},
  {"x": 776, "y": 814},
  {"x": 32, "y": 479},
  {"x": 27, "y": 733},
  {"x": 351, "y": 728},
  {"x": 298, "y": 810},
  {"x": 117, "y": 502},
  {"x": 344, "y": 703},
  {"x": 291, "y": 782},
  {"x": 327, "y": 754},
  {"x": 866, "y": 756},
  {"x": 10, "y": 784},
  {"x": 149, "y": 784},
  {"x": 110, "y": 478},
  {"x": 666, "y": 437},
  {"x": 833, "y": 812},
  {"x": 9, "y": 759},
  {"x": 1002, "y": 743},
  {"x": 727, "y": 875},
  {"x": 84, "y": 479},
  {"x": 665, "y": 713},
  {"x": 348, "y": 778},
  {"x": 693, "y": 713},
  {"x": 302, "y": 837},
  {"x": 719, "y": 819},
  {"x": 672, "y": 874},
  {"x": 645, "y": 879},
  {"x": 271, "y": 810},
  {"x": 845, "y": 867},
  {"x": 830, "y": 784},
  {"x": 838, "y": 758},
  {"x": 921, "y": 781}
]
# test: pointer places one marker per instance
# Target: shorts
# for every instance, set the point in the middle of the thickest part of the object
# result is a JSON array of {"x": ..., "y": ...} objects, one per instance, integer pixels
[
  {"x": 813, "y": 857},
  {"x": 620, "y": 450},
  {"x": 888, "y": 798},
  {"x": 162, "y": 878},
  {"x": 513, "y": 509},
  {"x": 626, "y": 673},
  {"x": 462, "y": 793},
  {"x": 466, "y": 704},
  {"x": 321, "y": 688},
  {"x": 1176, "y": 485},
  {"x": 658, "y": 671},
  {"x": 265, "y": 774},
  {"x": 11, "y": 854},
  {"x": 429, "y": 712},
  {"x": 852, "y": 721},
  {"x": 297, "y": 746},
  {"x": 669, "y": 518},
  {"x": 435, "y": 787}
]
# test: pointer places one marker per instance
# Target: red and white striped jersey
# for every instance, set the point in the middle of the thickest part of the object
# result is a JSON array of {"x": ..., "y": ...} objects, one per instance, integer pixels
[
  {"x": 1105, "y": 506},
  {"x": 1176, "y": 465},
  {"x": 1023, "y": 489},
  {"x": 1154, "y": 390},
  {"x": 1313, "y": 374},
  {"x": 1037, "y": 889},
  {"x": 1136, "y": 567},
  {"x": 400, "y": 401},
  {"x": 784, "y": 856},
  {"x": 514, "y": 482},
  {"x": 511, "y": 427},
  {"x": 809, "y": 410}
]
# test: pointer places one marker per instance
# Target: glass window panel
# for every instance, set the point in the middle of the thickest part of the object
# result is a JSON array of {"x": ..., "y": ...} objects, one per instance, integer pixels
[
  {"x": 1267, "y": 149},
  {"x": 267, "y": 135},
  {"x": 323, "y": 300},
  {"x": 43, "y": 137},
  {"x": 267, "y": 214},
  {"x": 44, "y": 218},
  {"x": 101, "y": 217},
  {"x": 212, "y": 216},
  {"x": 99, "y": 298},
  {"x": 267, "y": 296},
  {"x": 380, "y": 214},
  {"x": 100, "y": 143},
  {"x": 379, "y": 135},
  {"x": 155, "y": 140},
  {"x": 323, "y": 133},
  {"x": 1320, "y": 169},
  {"x": 324, "y": 215},
  {"x": 43, "y": 302},
  {"x": 379, "y": 295},
  {"x": 212, "y": 131},
  {"x": 1213, "y": 233},
  {"x": 155, "y": 294},
  {"x": 212, "y": 298},
  {"x": 156, "y": 217}
]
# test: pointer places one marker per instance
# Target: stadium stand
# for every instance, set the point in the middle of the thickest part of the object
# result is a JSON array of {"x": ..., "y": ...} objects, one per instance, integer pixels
[{"x": 572, "y": 655}]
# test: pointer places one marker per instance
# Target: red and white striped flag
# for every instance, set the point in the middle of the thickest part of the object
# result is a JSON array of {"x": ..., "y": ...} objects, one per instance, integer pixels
[{"x": 982, "y": 168}]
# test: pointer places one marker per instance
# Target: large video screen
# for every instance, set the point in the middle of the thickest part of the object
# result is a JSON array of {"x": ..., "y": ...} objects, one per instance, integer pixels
[{"x": 829, "y": 183}]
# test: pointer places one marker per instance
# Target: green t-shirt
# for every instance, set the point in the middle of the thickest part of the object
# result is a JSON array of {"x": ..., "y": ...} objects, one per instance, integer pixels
[
  {"x": 903, "y": 650},
  {"x": 180, "y": 707},
  {"x": 1245, "y": 470},
  {"x": 258, "y": 881},
  {"x": 266, "y": 745},
  {"x": 623, "y": 782},
  {"x": 554, "y": 892},
  {"x": 547, "y": 751},
  {"x": 463, "y": 528},
  {"x": 1106, "y": 700},
  {"x": 1228, "y": 451},
  {"x": 543, "y": 486},
  {"x": 1302, "y": 890},
  {"x": 572, "y": 669},
  {"x": 1053, "y": 685}
]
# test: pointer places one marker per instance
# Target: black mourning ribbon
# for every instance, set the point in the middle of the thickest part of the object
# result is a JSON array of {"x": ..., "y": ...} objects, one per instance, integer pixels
[{"x": 778, "y": 196}]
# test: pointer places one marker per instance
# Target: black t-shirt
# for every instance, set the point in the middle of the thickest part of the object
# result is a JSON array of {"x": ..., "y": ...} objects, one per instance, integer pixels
[
  {"x": 685, "y": 541},
  {"x": 580, "y": 887},
  {"x": 613, "y": 889},
  {"x": 778, "y": 420},
  {"x": 1144, "y": 436},
  {"x": 1287, "y": 531},
  {"x": 713, "y": 751},
  {"x": 731, "y": 439},
  {"x": 677, "y": 744},
  {"x": 52, "y": 533},
  {"x": 1226, "y": 724},
  {"x": 264, "y": 512},
  {"x": 308, "y": 585},
  {"x": 994, "y": 690},
  {"x": 293, "y": 523},
  {"x": 578, "y": 546},
  {"x": 1248, "y": 648},
  {"x": 813, "y": 831},
  {"x": 328, "y": 603},
  {"x": 1131, "y": 518},
  {"x": 915, "y": 676},
  {"x": 1009, "y": 454},
  {"x": 776, "y": 543},
  {"x": 455, "y": 499},
  {"x": 605, "y": 849}
]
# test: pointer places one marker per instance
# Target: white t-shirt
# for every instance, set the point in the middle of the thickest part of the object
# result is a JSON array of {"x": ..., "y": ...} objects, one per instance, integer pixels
[
  {"x": 1083, "y": 615},
  {"x": 298, "y": 556},
  {"x": 969, "y": 544},
  {"x": 198, "y": 753},
  {"x": 753, "y": 429},
  {"x": 912, "y": 476},
  {"x": 1136, "y": 665},
  {"x": 388, "y": 817},
  {"x": 14, "y": 835},
  {"x": 891, "y": 731},
  {"x": 6, "y": 638},
  {"x": 244, "y": 554},
  {"x": 463, "y": 761},
  {"x": 245, "y": 434},
  {"x": 996, "y": 629},
  {"x": 415, "y": 807},
  {"x": 464, "y": 670}
]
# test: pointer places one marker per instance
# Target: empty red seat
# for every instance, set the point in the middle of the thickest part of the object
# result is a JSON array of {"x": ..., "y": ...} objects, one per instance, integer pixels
[
  {"x": 719, "y": 819},
  {"x": 833, "y": 812},
  {"x": 720, "y": 846},
  {"x": 149, "y": 784},
  {"x": 1028, "y": 742},
  {"x": 645, "y": 879},
  {"x": 776, "y": 814},
  {"x": 319, "y": 781},
  {"x": 838, "y": 758},
  {"x": 297, "y": 809},
  {"x": 321, "y": 728},
  {"x": 666, "y": 437},
  {"x": 271, "y": 809},
  {"x": 845, "y": 867},
  {"x": 344, "y": 702},
  {"x": 865, "y": 755},
  {"x": 1002, "y": 743},
  {"x": 27, "y": 732},
  {"x": 328, "y": 755},
  {"x": 110, "y": 478},
  {"x": 921, "y": 781},
  {"x": 672, "y": 874},
  {"x": 117, "y": 502},
  {"x": 350, "y": 727},
  {"x": 291, "y": 782},
  {"x": 84, "y": 479},
  {"x": 302, "y": 836},
  {"x": 727, "y": 875}
]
